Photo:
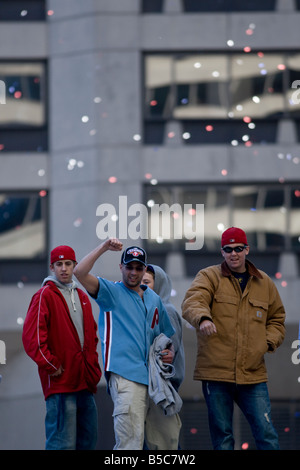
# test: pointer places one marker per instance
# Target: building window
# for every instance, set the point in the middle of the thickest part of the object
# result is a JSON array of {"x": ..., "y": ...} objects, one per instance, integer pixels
[
  {"x": 270, "y": 215},
  {"x": 228, "y": 5},
  {"x": 22, "y": 10},
  {"x": 23, "y": 236},
  {"x": 152, "y": 6},
  {"x": 23, "y": 117},
  {"x": 194, "y": 6},
  {"x": 220, "y": 97}
]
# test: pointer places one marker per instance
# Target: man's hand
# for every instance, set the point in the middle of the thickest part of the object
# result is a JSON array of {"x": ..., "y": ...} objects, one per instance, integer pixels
[
  {"x": 113, "y": 244},
  {"x": 58, "y": 372},
  {"x": 167, "y": 355},
  {"x": 207, "y": 328}
]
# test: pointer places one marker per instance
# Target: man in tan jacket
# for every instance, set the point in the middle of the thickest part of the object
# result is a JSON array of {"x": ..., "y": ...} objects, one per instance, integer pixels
[{"x": 238, "y": 316}]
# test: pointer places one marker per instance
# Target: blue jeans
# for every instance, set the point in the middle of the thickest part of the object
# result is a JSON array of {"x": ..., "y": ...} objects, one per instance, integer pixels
[
  {"x": 71, "y": 421},
  {"x": 254, "y": 402}
]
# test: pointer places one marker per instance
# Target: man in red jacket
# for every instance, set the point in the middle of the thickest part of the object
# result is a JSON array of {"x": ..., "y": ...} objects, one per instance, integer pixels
[{"x": 60, "y": 335}]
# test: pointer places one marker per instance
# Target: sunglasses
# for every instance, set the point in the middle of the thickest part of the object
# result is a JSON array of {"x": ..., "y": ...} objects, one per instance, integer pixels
[
  {"x": 137, "y": 268},
  {"x": 237, "y": 249}
]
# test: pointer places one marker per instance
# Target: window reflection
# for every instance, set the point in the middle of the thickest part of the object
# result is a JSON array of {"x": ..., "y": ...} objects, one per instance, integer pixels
[
  {"x": 262, "y": 214},
  {"x": 216, "y": 212},
  {"x": 293, "y": 93},
  {"x": 22, "y": 225},
  {"x": 295, "y": 216},
  {"x": 164, "y": 216},
  {"x": 269, "y": 214},
  {"x": 189, "y": 86},
  {"x": 227, "y": 5},
  {"x": 158, "y": 72},
  {"x": 222, "y": 92},
  {"x": 25, "y": 94},
  {"x": 180, "y": 216},
  {"x": 219, "y": 86},
  {"x": 201, "y": 87},
  {"x": 256, "y": 86},
  {"x": 20, "y": 10},
  {"x": 193, "y": 6}
]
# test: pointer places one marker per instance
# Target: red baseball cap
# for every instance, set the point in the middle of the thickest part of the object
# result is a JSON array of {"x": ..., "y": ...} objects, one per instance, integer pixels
[
  {"x": 62, "y": 252},
  {"x": 233, "y": 235}
]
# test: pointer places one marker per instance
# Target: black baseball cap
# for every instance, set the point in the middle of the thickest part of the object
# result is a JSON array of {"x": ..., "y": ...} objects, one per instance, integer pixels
[{"x": 134, "y": 253}]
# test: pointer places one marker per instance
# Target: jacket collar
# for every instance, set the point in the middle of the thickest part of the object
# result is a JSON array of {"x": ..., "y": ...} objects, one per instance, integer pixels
[{"x": 252, "y": 270}]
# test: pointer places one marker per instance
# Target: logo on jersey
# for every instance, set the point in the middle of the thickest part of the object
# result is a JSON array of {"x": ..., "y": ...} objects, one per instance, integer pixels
[{"x": 155, "y": 318}]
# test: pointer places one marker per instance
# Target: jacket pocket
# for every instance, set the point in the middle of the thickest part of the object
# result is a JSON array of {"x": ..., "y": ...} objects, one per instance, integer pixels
[
  {"x": 224, "y": 313},
  {"x": 259, "y": 310},
  {"x": 223, "y": 304},
  {"x": 92, "y": 372},
  {"x": 224, "y": 298},
  {"x": 257, "y": 337}
]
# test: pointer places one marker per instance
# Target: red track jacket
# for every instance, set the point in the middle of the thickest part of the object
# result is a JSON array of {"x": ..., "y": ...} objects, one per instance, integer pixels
[{"x": 50, "y": 339}]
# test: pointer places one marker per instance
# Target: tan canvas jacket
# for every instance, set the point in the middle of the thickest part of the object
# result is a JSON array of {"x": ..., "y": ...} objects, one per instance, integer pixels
[{"x": 249, "y": 324}]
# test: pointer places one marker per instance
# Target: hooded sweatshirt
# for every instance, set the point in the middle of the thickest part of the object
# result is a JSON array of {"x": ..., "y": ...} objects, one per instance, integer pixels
[
  {"x": 163, "y": 288},
  {"x": 60, "y": 330},
  {"x": 70, "y": 293},
  {"x": 160, "y": 387}
]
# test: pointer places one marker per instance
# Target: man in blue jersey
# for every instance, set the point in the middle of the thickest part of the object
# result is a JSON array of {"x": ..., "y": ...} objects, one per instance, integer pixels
[{"x": 131, "y": 316}]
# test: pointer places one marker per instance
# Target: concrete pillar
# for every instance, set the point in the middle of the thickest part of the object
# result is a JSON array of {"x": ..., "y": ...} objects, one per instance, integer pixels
[
  {"x": 173, "y": 133},
  {"x": 288, "y": 265},
  {"x": 285, "y": 5},
  {"x": 286, "y": 132},
  {"x": 175, "y": 265},
  {"x": 172, "y": 6}
]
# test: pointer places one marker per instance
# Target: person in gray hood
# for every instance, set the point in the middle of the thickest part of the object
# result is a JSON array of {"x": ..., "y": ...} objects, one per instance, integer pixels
[
  {"x": 162, "y": 286},
  {"x": 158, "y": 280}
]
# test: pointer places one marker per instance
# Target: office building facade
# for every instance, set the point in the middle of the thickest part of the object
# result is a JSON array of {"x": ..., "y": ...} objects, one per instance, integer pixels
[{"x": 161, "y": 122}]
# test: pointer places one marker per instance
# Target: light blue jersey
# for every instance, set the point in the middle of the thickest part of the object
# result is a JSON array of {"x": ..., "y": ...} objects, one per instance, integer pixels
[{"x": 128, "y": 325}]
